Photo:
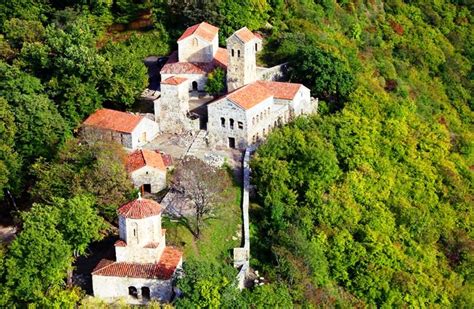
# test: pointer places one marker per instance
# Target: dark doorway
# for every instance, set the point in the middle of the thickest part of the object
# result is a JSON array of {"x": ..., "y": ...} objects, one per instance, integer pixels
[
  {"x": 147, "y": 187},
  {"x": 195, "y": 86},
  {"x": 132, "y": 291},
  {"x": 231, "y": 142},
  {"x": 146, "y": 293}
]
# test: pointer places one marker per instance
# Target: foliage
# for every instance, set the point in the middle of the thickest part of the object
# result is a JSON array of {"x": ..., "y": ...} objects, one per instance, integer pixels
[
  {"x": 79, "y": 222},
  {"x": 81, "y": 167},
  {"x": 9, "y": 161},
  {"x": 38, "y": 258},
  {"x": 215, "y": 82},
  {"x": 208, "y": 285}
]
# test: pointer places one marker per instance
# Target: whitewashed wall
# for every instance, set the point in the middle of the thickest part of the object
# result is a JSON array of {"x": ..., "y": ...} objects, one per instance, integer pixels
[
  {"x": 148, "y": 126},
  {"x": 149, "y": 175}
]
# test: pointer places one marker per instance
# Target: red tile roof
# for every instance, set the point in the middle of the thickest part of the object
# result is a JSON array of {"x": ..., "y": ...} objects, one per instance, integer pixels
[
  {"x": 139, "y": 209},
  {"x": 172, "y": 66},
  {"x": 174, "y": 80},
  {"x": 249, "y": 95},
  {"x": 203, "y": 30},
  {"x": 286, "y": 91},
  {"x": 144, "y": 157},
  {"x": 113, "y": 120},
  {"x": 163, "y": 270},
  {"x": 245, "y": 35}
]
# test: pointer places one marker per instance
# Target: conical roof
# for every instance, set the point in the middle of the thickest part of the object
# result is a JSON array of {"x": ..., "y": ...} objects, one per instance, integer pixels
[{"x": 139, "y": 209}]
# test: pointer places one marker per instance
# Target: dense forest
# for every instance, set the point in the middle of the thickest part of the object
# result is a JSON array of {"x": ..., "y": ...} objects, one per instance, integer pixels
[{"x": 368, "y": 203}]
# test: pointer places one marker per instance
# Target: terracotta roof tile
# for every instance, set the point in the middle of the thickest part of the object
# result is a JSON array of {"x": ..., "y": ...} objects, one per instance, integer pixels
[
  {"x": 113, "y": 120},
  {"x": 172, "y": 66},
  {"x": 249, "y": 95},
  {"x": 163, "y": 270},
  {"x": 203, "y": 30},
  {"x": 286, "y": 91},
  {"x": 139, "y": 209},
  {"x": 245, "y": 35},
  {"x": 120, "y": 243},
  {"x": 144, "y": 157},
  {"x": 174, "y": 80}
]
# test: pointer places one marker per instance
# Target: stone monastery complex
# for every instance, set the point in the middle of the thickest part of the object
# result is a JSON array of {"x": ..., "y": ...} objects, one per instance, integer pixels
[{"x": 253, "y": 105}]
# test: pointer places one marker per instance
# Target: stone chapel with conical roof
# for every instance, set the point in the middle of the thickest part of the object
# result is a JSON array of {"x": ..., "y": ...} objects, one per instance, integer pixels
[{"x": 144, "y": 267}]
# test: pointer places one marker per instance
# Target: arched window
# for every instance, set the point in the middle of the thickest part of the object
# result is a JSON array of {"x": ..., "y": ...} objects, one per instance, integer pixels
[
  {"x": 146, "y": 292},
  {"x": 195, "y": 42},
  {"x": 231, "y": 123},
  {"x": 232, "y": 52},
  {"x": 261, "y": 115},
  {"x": 132, "y": 291},
  {"x": 254, "y": 139},
  {"x": 256, "y": 117},
  {"x": 263, "y": 134},
  {"x": 269, "y": 128},
  {"x": 256, "y": 47},
  {"x": 238, "y": 53},
  {"x": 253, "y": 120},
  {"x": 222, "y": 122},
  {"x": 134, "y": 227}
]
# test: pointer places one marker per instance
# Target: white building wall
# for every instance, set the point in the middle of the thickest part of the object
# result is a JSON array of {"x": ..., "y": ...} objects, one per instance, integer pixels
[
  {"x": 144, "y": 132},
  {"x": 134, "y": 254},
  {"x": 140, "y": 232},
  {"x": 149, "y": 175},
  {"x": 195, "y": 49},
  {"x": 259, "y": 119},
  {"x": 111, "y": 288}
]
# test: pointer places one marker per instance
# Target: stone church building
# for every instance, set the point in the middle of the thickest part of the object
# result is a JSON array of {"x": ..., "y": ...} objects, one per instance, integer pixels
[
  {"x": 250, "y": 109},
  {"x": 144, "y": 267}
]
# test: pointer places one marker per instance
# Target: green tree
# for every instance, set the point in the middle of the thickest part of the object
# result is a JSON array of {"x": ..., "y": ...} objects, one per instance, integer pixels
[
  {"x": 215, "y": 83},
  {"x": 208, "y": 285},
  {"x": 328, "y": 77},
  {"x": 38, "y": 258},
  {"x": 82, "y": 167},
  {"x": 79, "y": 222},
  {"x": 9, "y": 160}
]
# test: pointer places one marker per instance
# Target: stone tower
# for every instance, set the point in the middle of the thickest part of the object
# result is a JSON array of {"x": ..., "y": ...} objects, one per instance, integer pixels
[
  {"x": 242, "y": 47},
  {"x": 172, "y": 108}
]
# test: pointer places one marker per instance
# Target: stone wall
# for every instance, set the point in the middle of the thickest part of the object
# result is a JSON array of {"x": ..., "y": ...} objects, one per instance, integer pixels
[
  {"x": 242, "y": 255},
  {"x": 111, "y": 288},
  {"x": 149, "y": 175},
  {"x": 173, "y": 108},
  {"x": 95, "y": 134},
  {"x": 220, "y": 133},
  {"x": 195, "y": 49},
  {"x": 276, "y": 73}
]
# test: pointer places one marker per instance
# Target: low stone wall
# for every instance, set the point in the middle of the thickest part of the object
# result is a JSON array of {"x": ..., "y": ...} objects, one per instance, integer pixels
[
  {"x": 276, "y": 73},
  {"x": 242, "y": 255}
]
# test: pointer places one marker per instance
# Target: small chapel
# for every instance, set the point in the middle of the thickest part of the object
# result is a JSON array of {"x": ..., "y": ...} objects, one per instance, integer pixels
[{"x": 144, "y": 268}]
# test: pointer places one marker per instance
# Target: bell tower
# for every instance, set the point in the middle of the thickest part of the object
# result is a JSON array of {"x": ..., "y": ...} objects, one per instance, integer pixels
[{"x": 242, "y": 67}]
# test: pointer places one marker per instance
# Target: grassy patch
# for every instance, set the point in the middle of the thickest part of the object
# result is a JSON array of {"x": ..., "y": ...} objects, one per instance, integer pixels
[{"x": 216, "y": 243}]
